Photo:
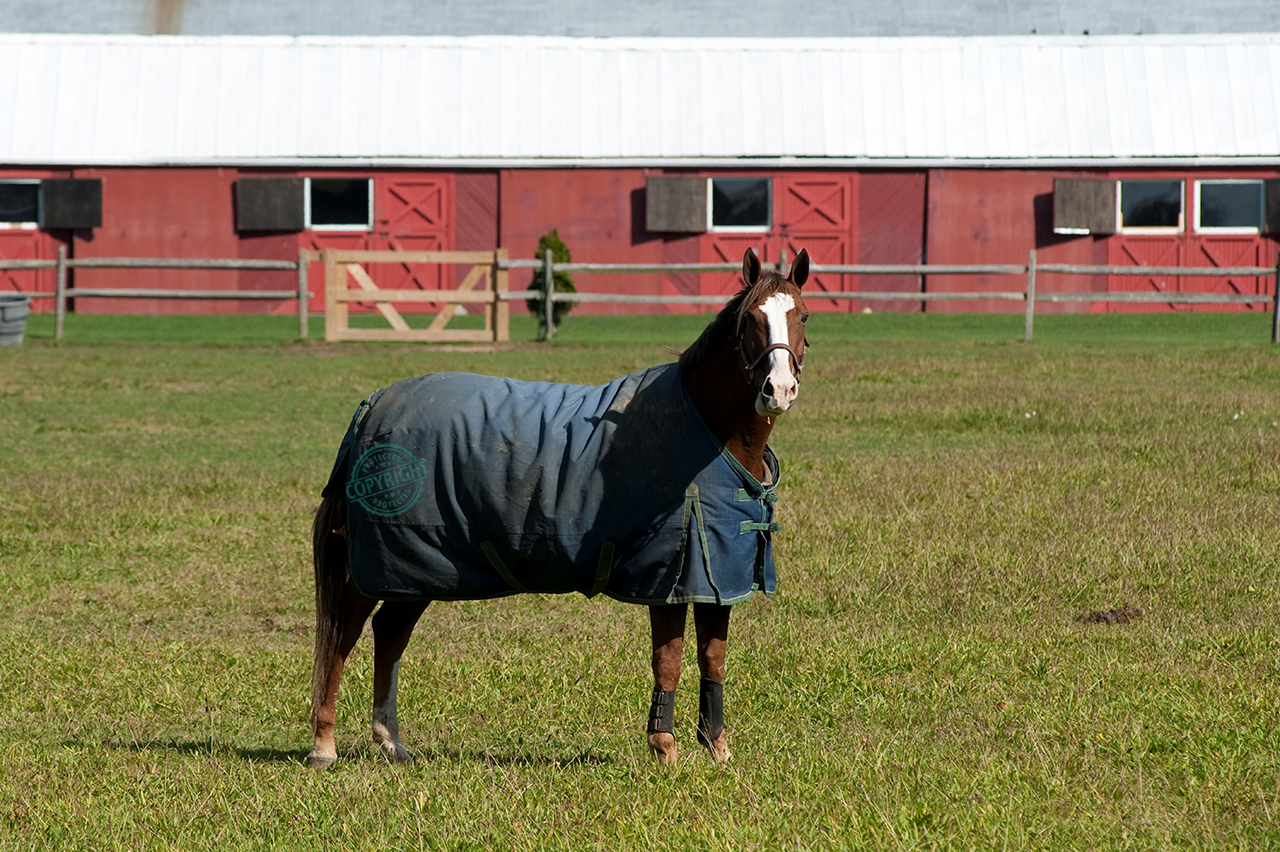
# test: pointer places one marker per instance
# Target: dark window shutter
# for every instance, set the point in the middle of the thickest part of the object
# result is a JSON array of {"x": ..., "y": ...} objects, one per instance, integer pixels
[
  {"x": 1271, "y": 206},
  {"x": 73, "y": 204},
  {"x": 1084, "y": 206},
  {"x": 270, "y": 204},
  {"x": 675, "y": 203}
]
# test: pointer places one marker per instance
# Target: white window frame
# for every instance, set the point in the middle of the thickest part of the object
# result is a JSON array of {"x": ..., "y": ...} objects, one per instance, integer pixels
[
  {"x": 1121, "y": 228},
  {"x": 1262, "y": 207},
  {"x": 306, "y": 202},
  {"x": 23, "y": 226},
  {"x": 738, "y": 229}
]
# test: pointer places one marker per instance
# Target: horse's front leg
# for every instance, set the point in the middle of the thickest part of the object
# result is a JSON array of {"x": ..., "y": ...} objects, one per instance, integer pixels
[
  {"x": 667, "y": 626},
  {"x": 712, "y": 624},
  {"x": 392, "y": 627}
]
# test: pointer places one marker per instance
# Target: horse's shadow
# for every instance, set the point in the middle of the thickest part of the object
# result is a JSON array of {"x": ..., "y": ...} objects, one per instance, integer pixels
[
  {"x": 205, "y": 747},
  {"x": 427, "y": 754}
]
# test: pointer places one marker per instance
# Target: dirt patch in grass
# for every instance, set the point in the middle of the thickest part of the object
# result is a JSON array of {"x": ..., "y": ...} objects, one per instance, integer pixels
[{"x": 1121, "y": 615}]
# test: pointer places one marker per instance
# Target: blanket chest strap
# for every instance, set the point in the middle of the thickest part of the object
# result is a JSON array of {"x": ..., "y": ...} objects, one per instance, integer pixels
[{"x": 752, "y": 526}]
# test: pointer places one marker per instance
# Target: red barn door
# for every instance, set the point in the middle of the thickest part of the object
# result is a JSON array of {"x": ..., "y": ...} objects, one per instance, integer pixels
[
  {"x": 729, "y": 248},
  {"x": 414, "y": 213},
  {"x": 1134, "y": 250},
  {"x": 817, "y": 212},
  {"x": 18, "y": 243}
]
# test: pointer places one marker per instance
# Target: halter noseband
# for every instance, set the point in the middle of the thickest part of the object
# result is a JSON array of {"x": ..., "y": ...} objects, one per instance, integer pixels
[{"x": 751, "y": 366}]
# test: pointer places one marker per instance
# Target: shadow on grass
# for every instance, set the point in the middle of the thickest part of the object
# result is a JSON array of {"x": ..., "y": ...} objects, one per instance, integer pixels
[
  {"x": 360, "y": 754},
  {"x": 495, "y": 757},
  {"x": 205, "y": 747}
]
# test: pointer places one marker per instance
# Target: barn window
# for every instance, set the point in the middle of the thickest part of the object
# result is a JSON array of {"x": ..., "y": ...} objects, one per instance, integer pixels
[
  {"x": 740, "y": 203},
  {"x": 1229, "y": 206},
  {"x": 340, "y": 204},
  {"x": 1153, "y": 206},
  {"x": 19, "y": 203}
]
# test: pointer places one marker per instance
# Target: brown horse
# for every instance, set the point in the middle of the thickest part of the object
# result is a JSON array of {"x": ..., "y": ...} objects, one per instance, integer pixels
[{"x": 741, "y": 374}]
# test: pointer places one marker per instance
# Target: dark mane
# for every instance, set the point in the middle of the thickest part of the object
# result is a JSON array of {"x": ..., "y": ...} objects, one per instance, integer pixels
[{"x": 728, "y": 322}]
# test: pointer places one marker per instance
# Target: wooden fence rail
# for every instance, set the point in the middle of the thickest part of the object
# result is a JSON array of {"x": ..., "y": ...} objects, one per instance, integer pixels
[
  {"x": 491, "y": 269},
  {"x": 1028, "y": 294}
]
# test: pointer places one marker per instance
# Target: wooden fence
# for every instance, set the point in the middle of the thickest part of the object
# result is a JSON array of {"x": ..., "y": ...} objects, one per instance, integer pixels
[
  {"x": 1027, "y": 295},
  {"x": 491, "y": 269},
  {"x": 62, "y": 292}
]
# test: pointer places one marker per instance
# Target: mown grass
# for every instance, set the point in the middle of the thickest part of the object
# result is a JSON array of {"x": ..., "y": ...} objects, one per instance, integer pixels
[{"x": 953, "y": 500}]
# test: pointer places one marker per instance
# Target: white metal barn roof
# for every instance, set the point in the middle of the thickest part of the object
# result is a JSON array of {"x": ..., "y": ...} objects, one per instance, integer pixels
[{"x": 102, "y": 100}]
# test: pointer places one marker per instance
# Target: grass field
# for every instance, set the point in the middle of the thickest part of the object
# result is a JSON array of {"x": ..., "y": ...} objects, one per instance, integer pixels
[{"x": 953, "y": 500}]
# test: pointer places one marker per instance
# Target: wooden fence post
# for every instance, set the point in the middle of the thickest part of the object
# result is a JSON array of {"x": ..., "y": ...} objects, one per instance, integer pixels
[
  {"x": 1031, "y": 297},
  {"x": 1275, "y": 308},
  {"x": 330, "y": 294},
  {"x": 549, "y": 288},
  {"x": 303, "y": 293},
  {"x": 60, "y": 293},
  {"x": 501, "y": 307}
]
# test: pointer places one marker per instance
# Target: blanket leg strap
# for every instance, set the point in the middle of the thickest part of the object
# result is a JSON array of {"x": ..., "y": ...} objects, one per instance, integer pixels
[
  {"x": 710, "y": 711},
  {"x": 662, "y": 712},
  {"x": 501, "y": 567},
  {"x": 603, "y": 569}
]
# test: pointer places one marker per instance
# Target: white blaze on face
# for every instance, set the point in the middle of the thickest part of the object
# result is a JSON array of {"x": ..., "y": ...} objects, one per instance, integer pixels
[{"x": 780, "y": 380}]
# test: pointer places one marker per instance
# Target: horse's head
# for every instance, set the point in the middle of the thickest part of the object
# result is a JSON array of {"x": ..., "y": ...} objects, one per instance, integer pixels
[{"x": 771, "y": 332}]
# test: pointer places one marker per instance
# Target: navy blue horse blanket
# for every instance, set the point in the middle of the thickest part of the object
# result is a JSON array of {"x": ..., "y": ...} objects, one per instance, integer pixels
[{"x": 461, "y": 487}]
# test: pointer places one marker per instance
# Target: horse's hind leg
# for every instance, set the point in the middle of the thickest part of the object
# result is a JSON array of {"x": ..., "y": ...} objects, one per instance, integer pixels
[
  {"x": 351, "y": 612},
  {"x": 667, "y": 625},
  {"x": 392, "y": 627},
  {"x": 712, "y": 624}
]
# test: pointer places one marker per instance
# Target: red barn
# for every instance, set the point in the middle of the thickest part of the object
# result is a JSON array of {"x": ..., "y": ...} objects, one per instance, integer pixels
[{"x": 1142, "y": 150}]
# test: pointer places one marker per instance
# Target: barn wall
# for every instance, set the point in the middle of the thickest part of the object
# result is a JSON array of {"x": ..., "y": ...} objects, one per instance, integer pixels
[
  {"x": 160, "y": 213},
  {"x": 892, "y": 230},
  {"x": 881, "y": 216},
  {"x": 997, "y": 216},
  {"x": 599, "y": 213}
]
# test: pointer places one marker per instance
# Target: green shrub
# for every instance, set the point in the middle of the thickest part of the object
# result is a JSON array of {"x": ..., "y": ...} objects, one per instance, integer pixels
[{"x": 563, "y": 282}]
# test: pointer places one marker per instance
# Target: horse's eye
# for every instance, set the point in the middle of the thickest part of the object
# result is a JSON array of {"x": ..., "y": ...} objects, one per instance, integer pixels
[{"x": 804, "y": 317}]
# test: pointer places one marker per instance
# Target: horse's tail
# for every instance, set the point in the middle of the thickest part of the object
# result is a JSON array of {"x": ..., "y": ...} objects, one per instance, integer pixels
[{"x": 329, "y": 552}]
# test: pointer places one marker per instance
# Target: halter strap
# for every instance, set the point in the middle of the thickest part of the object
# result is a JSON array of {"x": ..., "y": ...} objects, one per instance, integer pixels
[{"x": 752, "y": 365}]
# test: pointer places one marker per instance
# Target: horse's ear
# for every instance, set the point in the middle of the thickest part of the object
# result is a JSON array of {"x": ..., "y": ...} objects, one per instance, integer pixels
[
  {"x": 800, "y": 269},
  {"x": 750, "y": 267}
]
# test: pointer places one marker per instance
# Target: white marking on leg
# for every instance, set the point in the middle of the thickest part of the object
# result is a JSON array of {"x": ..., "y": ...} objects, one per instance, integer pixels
[{"x": 783, "y": 382}]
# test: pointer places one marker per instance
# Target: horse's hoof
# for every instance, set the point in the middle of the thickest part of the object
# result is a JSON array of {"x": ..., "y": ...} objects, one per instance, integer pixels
[
  {"x": 396, "y": 753},
  {"x": 719, "y": 749},
  {"x": 663, "y": 748},
  {"x": 320, "y": 761}
]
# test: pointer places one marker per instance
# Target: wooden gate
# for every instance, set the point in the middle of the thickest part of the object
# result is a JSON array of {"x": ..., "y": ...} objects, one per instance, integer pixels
[{"x": 483, "y": 285}]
